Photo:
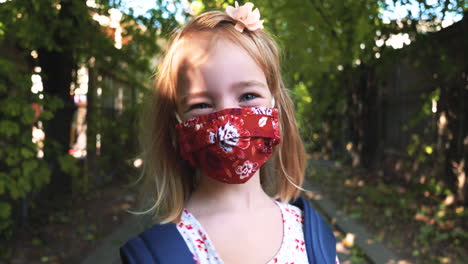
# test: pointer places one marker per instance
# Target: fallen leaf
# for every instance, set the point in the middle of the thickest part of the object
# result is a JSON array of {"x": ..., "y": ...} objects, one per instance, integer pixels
[{"x": 348, "y": 241}]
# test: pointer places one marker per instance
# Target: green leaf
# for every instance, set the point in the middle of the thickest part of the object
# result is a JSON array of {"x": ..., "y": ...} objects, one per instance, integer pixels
[
  {"x": 27, "y": 153},
  {"x": 68, "y": 165},
  {"x": 36, "y": 242},
  {"x": 47, "y": 115},
  {"x": 11, "y": 107},
  {"x": 89, "y": 237},
  {"x": 9, "y": 128},
  {"x": 27, "y": 116},
  {"x": 5, "y": 210},
  {"x": 41, "y": 176},
  {"x": 29, "y": 166},
  {"x": 3, "y": 182}
]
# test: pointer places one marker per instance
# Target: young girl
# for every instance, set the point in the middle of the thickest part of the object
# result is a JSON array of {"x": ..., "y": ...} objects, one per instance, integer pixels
[{"x": 219, "y": 112}]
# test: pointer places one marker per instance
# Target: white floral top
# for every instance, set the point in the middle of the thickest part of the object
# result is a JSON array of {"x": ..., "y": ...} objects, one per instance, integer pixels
[{"x": 292, "y": 249}]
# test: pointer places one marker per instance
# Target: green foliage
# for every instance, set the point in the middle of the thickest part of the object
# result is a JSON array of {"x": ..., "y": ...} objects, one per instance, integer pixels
[
  {"x": 67, "y": 28},
  {"x": 21, "y": 172},
  {"x": 429, "y": 222},
  {"x": 69, "y": 167},
  {"x": 418, "y": 149},
  {"x": 5, "y": 212}
]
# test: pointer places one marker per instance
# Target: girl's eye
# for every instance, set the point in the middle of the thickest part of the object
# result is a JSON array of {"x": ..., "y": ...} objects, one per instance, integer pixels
[
  {"x": 199, "y": 106},
  {"x": 248, "y": 97}
]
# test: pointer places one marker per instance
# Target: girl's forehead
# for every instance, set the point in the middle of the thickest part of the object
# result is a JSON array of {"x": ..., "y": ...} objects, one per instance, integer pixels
[
  {"x": 196, "y": 47},
  {"x": 207, "y": 60}
]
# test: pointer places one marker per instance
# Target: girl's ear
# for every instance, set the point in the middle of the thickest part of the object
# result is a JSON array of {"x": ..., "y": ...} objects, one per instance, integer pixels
[{"x": 272, "y": 102}]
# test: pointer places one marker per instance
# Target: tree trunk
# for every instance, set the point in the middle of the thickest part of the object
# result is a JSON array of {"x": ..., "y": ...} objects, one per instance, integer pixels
[{"x": 57, "y": 67}]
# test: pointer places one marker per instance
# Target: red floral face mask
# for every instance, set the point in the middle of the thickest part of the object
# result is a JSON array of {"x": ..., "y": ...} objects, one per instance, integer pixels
[{"x": 232, "y": 144}]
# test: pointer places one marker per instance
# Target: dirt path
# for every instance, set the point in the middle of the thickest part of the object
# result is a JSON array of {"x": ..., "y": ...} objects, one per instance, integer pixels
[{"x": 69, "y": 235}]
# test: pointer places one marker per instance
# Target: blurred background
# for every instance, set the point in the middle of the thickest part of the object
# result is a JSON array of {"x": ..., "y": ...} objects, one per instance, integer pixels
[{"x": 381, "y": 93}]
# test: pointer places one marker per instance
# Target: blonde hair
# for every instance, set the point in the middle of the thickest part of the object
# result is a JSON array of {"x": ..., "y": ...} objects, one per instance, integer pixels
[{"x": 168, "y": 180}]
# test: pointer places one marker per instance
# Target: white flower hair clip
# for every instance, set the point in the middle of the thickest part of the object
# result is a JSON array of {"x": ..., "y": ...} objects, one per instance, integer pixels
[{"x": 245, "y": 17}]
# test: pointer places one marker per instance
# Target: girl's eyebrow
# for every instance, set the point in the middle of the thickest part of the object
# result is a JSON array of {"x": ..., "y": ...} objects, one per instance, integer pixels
[
  {"x": 243, "y": 84},
  {"x": 185, "y": 97}
]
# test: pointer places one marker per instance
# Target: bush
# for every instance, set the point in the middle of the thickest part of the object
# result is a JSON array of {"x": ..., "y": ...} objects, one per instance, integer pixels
[{"x": 21, "y": 172}]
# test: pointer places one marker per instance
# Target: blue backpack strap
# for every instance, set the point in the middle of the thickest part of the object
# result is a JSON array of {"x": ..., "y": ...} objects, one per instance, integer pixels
[
  {"x": 319, "y": 239},
  {"x": 161, "y": 244}
]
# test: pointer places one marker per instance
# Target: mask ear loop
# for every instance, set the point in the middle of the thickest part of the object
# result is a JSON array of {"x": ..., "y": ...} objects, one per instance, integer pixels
[
  {"x": 272, "y": 102},
  {"x": 178, "y": 118}
]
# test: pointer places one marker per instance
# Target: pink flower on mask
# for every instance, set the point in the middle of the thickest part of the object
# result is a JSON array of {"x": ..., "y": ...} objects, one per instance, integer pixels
[
  {"x": 231, "y": 136},
  {"x": 247, "y": 168},
  {"x": 245, "y": 17}
]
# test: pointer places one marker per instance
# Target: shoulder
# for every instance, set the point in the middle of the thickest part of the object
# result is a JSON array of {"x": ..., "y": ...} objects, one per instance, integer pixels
[
  {"x": 321, "y": 243},
  {"x": 308, "y": 211},
  {"x": 291, "y": 214},
  {"x": 161, "y": 243}
]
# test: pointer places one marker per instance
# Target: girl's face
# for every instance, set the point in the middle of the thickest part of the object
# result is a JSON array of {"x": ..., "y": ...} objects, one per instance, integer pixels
[{"x": 227, "y": 77}]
